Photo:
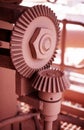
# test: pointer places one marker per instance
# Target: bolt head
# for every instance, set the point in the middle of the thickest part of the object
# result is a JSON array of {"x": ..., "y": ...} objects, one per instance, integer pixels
[{"x": 40, "y": 43}]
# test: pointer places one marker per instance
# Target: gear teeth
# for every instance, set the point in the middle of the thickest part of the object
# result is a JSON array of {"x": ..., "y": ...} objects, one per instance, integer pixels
[
  {"x": 41, "y": 84},
  {"x": 37, "y": 10},
  {"x": 25, "y": 71},
  {"x": 15, "y": 56},
  {"x": 19, "y": 63},
  {"x": 23, "y": 22},
  {"x": 48, "y": 11},
  {"x": 18, "y": 34},
  {"x": 51, "y": 81},
  {"x": 15, "y": 48},
  {"x": 18, "y": 59},
  {"x": 17, "y": 38},
  {"x": 34, "y": 12},
  {"x": 36, "y": 82},
  {"x": 19, "y": 30},
  {"x": 44, "y": 10},
  {"x": 28, "y": 16},
  {"x": 30, "y": 72},
  {"x": 24, "y": 18},
  {"x": 40, "y": 10},
  {"x": 31, "y": 14},
  {"x": 16, "y": 45},
  {"x": 20, "y": 25}
]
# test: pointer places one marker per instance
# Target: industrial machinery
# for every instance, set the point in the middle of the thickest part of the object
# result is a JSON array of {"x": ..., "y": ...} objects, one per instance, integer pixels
[
  {"x": 33, "y": 39},
  {"x": 33, "y": 47}
]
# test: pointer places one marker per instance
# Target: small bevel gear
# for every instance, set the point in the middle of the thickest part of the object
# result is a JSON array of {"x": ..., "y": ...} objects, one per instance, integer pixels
[
  {"x": 50, "y": 81},
  {"x": 34, "y": 40}
]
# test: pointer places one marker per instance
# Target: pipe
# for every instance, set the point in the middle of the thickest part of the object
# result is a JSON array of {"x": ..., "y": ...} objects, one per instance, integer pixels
[{"x": 18, "y": 118}]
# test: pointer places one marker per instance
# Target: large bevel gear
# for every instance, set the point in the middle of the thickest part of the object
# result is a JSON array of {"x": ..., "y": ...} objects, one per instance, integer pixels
[
  {"x": 50, "y": 81},
  {"x": 34, "y": 40}
]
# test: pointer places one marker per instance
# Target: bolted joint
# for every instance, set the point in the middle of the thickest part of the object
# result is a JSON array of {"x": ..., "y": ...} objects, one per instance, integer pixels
[{"x": 40, "y": 43}]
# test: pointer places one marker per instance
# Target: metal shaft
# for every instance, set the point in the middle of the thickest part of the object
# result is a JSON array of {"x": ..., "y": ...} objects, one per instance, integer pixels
[{"x": 48, "y": 125}]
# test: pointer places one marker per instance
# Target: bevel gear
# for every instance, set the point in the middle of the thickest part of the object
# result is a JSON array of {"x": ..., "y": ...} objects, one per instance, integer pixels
[
  {"x": 34, "y": 40},
  {"x": 50, "y": 81}
]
